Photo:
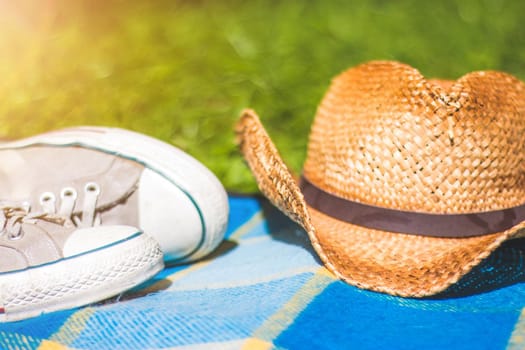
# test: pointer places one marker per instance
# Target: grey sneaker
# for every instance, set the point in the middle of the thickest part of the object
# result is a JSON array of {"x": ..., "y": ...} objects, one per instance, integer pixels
[
  {"x": 108, "y": 176},
  {"x": 47, "y": 263}
]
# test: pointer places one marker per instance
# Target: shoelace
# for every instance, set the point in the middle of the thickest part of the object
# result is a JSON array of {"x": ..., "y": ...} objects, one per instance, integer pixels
[{"x": 13, "y": 215}]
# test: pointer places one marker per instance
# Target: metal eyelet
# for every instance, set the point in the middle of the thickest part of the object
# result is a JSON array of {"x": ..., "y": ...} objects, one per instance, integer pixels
[
  {"x": 47, "y": 197},
  {"x": 92, "y": 187},
  {"x": 26, "y": 206},
  {"x": 68, "y": 192},
  {"x": 15, "y": 237},
  {"x": 12, "y": 235}
]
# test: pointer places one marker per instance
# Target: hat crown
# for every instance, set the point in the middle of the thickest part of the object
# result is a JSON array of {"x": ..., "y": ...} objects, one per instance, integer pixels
[{"x": 384, "y": 135}]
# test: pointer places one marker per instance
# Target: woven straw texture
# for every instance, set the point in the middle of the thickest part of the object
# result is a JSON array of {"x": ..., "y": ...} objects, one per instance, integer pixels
[{"x": 385, "y": 136}]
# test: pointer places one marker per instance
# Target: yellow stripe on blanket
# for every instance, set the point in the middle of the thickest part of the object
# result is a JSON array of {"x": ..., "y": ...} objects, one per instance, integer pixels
[
  {"x": 264, "y": 336},
  {"x": 51, "y": 345},
  {"x": 73, "y": 327},
  {"x": 517, "y": 339}
]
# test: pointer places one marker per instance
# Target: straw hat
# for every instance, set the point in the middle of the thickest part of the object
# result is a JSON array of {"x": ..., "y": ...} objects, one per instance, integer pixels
[{"x": 408, "y": 183}]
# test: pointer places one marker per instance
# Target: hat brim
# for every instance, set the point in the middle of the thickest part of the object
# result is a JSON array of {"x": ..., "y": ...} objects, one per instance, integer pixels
[{"x": 399, "y": 264}]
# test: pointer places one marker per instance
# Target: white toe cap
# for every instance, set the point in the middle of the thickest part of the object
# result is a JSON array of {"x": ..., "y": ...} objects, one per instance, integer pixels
[{"x": 91, "y": 238}]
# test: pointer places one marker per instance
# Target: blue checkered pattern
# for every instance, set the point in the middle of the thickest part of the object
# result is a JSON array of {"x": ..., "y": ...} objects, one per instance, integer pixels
[{"x": 265, "y": 289}]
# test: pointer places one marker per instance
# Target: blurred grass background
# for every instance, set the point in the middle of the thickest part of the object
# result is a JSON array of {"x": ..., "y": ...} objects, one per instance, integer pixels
[{"x": 182, "y": 71}]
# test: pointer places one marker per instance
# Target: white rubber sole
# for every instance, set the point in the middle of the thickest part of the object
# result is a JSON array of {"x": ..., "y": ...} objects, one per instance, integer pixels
[
  {"x": 79, "y": 280},
  {"x": 191, "y": 177}
]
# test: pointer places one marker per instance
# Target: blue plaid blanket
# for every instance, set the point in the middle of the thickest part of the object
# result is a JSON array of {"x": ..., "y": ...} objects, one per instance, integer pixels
[{"x": 264, "y": 288}]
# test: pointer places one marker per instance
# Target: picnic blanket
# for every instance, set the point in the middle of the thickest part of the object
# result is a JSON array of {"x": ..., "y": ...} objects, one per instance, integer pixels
[{"x": 264, "y": 288}]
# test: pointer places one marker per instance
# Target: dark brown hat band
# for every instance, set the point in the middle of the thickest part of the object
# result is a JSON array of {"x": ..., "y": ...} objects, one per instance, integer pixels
[{"x": 416, "y": 223}]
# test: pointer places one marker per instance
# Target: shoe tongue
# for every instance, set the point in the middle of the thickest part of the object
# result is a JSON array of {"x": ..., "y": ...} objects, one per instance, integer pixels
[{"x": 51, "y": 169}]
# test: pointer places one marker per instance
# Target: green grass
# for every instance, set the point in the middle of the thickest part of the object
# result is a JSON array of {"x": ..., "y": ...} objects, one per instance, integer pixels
[{"x": 183, "y": 70}]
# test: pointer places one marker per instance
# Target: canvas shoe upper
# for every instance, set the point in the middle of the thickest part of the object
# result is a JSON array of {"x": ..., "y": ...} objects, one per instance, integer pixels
[
  {"x": 48, "y": 263},
  {"x": 119, "y": 177}
]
